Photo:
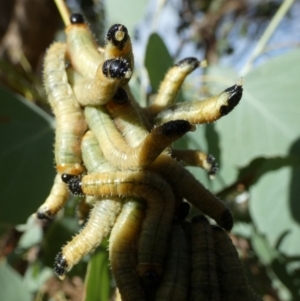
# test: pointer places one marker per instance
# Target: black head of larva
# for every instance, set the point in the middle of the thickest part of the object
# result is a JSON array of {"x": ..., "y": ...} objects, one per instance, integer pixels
[
  {"x": 176, "y": 127},
  {"x": 191, "y": 61},
  {"x": 74, "y": 183},
  {"x": 77, "y": 18},
  {"x": 117, "y": 35},
  {"x": 182, "y": 211},
  {"x": 235, "y": 94},
  {"x": 60, "y": 265},
  {"x": 227, "y": 220},
  {"x": 150, "y": 279},
  {"x": 214, "y": 165},
  {"x": 121, "y": 96},
  {"x": 44, "y": 215},
  {"x": 115, "y": 68}
]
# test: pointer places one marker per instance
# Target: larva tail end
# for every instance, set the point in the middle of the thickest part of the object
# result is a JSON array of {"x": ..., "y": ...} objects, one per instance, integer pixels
[
  {"x": 191, "y": 62},
  {"x": 234, "y": 96},
  {"x": 150, "y": 279},
  {"x": 117, "y": 35},
  {"x": 74, "y": 183},
  {"x": 182, "y": 211},
  {"x": 213, "y": 165},
  {"x": 76, "y": 18},
  {"x": 60, "y": 266},
  {"x": 176, "y": 128},
  {"x": 226, "y": 220},
  {"x": 199, "y": 219},
  {"x": 44, "y": 214}
]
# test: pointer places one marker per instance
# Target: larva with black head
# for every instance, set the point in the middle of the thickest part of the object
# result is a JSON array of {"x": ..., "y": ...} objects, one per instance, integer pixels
[
  {"x": 174, "y": 284},
  {"x": 70, "y": 122},
  {"x": 204, "y": 280},
  {"x": 122, "y": 249},
  {"x": 204, "y": 111},
  {"x": 117, "y": 151},
  {"x": 105, "y": 84},
  {"x": 82, "y": 49},
  {"x": 56, "y": 200},
  {"x": 171, "y": 85},
  {"x": 159, "y": 197}
]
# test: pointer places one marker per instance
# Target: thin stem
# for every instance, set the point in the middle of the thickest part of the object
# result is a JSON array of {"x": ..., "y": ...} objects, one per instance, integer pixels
[
  {"x": 64, "y": 11},
  {"x": 283, "y": 9}
]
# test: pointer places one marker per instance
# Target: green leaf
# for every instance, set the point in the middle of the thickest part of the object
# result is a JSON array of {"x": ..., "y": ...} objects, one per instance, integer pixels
[
  {"x": 127, "y": 13},
  {"x": 157, "y": 60},
  {"x": 97, "y": 280},
  {"x": 12, "y": 285},
  {"x": 26, "y": 157}
]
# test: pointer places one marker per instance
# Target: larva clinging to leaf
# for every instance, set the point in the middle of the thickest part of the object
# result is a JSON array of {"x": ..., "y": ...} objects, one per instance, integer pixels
[{"x": 70, "y": 122}]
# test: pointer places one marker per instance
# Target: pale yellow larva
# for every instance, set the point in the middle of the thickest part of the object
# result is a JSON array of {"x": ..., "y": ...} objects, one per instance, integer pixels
[
  {"x": 203, "y": 111},
  {"x": 70, "y": 122}
]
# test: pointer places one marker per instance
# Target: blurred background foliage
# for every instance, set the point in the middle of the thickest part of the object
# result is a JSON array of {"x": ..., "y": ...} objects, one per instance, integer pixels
[{"x": 257, "y": 145}]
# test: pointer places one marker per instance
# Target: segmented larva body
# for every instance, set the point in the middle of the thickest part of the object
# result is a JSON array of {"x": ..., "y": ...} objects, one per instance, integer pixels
[
  {"x": 122, "y": 249},
  {"x": 56, "y": 200},
  {"x": 204, "y": 280},
  {"x": 152, "y": 243},
  {"x": 171, "y": 84},
  {"x": 118, "y": 45},
  {"x": 205, "y": 111},
  {"x": 232, "y": 282},
  {"x": 175, "y": 281},
  {"x": 188, "y": 157},
  {"x": 192, "y": 190},
  {"x": 116, "y": 150},
  {"x": 82, "y": 48},
  {"x": 70, "y": 122},
  {"x": 101, "y": 220}
]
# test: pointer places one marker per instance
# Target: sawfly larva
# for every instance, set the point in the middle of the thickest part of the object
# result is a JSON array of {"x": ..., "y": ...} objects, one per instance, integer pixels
[
  {"x": 56, "y": 200},
  {"x": 188, "y": 157},
  {"x": 205, "y": 111},
  {"x": 98, "y": 226},
  {"x": 175, "y": 281},
  {"x": 204, "y": 280},
  {"x": 117, "y": 151},
  {"x": 122, "y": 249},
  {"x": 104, "y": 85},
  {"x": 70, "y": 123},
  {"x": 160, "y": 202},
  {"x": 171, "y": 84},
  {"x": 82, "y": 49}
]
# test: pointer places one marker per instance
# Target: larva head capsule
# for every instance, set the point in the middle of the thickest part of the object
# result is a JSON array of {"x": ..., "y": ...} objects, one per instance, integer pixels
[
  {"x": 60, "y": 266},
  {"x": 77, "y": 18},
  {"x": 121, "y": 96},
  {"x": 116, "y": 68},
  {"x": 117, "y": 35},
  {"x": 74, "y": 183},
  {"x": 176, "y": 127},
  {"x": 150, "y": 279},
  {"x": 235, "y": 94}
]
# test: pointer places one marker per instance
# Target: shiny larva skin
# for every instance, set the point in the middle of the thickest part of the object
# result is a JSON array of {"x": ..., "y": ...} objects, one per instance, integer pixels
[
  {"x": 115, "y": 148},
  {"x": 122, "y": 249},
  {"x": 70, "y": 123},
  {"x": 171, "y": 85},
  {"x": 56, "y": 200},
  {"x": 206, "y": 111},
  {"x": 149, "y": 186},
  {"x": 204, "y": 280},
  {"x": 174, "y": 284}
]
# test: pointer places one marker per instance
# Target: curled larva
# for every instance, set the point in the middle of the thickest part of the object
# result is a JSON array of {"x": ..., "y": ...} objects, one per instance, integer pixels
[
  {"x": 176, "y": 278},
  {"x": 116, "y": 150},
  {"x": 103, "y": 86},
  {"x": 205, "y": 111},
  {"x": 192, "y": 190},
  {"x": 98, "y": 226},
  {"x": 171, "y": 84},
  {"x": 82, "y": 48},
  {"x": 196, "y": 158},
  {"x": 149, "y": 186},
  {"x": 118, "y": 45},
  {"x": 122, "y": 249},
  {"x": 204, "y": 280},
  {"x": 232, "y": 281},
  {"x": 56, "y": 200},
  {"x": 70, "y": 123}
]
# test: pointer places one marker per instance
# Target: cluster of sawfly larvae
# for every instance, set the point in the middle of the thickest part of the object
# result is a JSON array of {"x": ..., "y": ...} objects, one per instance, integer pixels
[{"x": 118, "y": 155}]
